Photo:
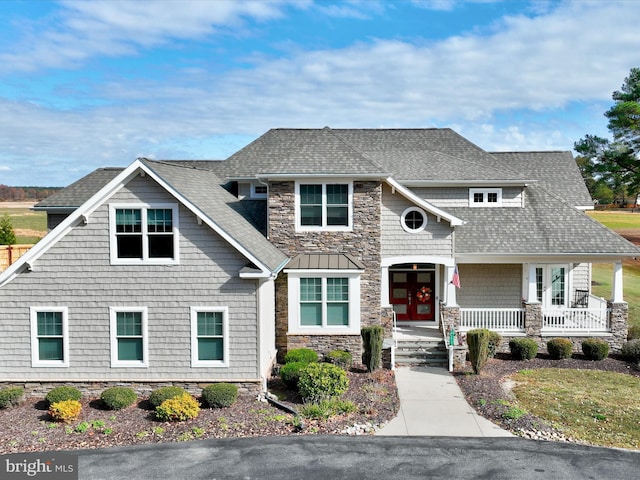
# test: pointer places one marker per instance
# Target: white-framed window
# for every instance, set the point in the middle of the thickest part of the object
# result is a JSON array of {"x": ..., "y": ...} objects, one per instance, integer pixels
[
  {"x": 485, "y": 197},
  {"x": 324, "y": 302},
  {"x": 552, "y": 285},
  {"x": 129, "y": 337},
  {"x": 259, "y": 190},
  {"x": 324, "y": 206},
  {"x": 144, "y": 234},
  {"x": 413, "y": 220},
  {"x": 209, "y": 337},
  {"x": 49, "y": 336}
]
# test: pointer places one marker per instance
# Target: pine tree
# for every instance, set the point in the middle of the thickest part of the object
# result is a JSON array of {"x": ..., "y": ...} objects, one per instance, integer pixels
[{"x": 7, "y": 235}]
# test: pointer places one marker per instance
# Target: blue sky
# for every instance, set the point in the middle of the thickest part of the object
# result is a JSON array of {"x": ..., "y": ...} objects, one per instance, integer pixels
[{"x": 87, "y": 84}]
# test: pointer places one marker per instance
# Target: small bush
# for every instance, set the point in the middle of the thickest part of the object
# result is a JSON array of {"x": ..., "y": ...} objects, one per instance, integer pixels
[
  {"x": 328, "y": 408},
  {"x": 595, "y": 348},
  {"x": 161, "y": 394},
  {"x": 60, "y": 394},
  {"x": 220, "y": 395},
  {"x": 633, "y": 332},
  {"x": 178, "y": 409},
  {"x": 304, "y": 355},
  {"x": 290, "y": 373},
  {"x": 10, "y": 396},
  {"x": 631, "y": 351},
  {"x": 495, "y": 339},
  {"x": 523, "y": 348},
  {"x": 319, "y": 381},
  {"x": 372, "y": 338},
  {"x": 560, "y": 348},
  {"x": 341, "y": 358},
  {"x": 65, "y": 410},
  {"x": 478, "y": 342},
  {"x": 116, "y": 398}
]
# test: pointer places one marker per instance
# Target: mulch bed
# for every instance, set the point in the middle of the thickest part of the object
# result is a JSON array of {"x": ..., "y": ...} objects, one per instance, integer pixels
[
  {"x": 27, "y": 427},
  {"x": 487, "y": 391}
]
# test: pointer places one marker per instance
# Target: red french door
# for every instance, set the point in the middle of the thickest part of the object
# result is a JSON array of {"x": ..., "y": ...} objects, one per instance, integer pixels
[{"x": 413, "y": 295}]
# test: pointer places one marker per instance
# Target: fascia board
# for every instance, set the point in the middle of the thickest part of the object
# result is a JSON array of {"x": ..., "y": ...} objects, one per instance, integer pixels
[
  {"x": 467, "y": 183},
  {"x": 545, "y": 257},
  {"x": 409, "y": 195}
]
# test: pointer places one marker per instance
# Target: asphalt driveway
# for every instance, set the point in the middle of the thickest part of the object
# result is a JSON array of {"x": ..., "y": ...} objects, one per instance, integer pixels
[{"x": 366, "y": 457}]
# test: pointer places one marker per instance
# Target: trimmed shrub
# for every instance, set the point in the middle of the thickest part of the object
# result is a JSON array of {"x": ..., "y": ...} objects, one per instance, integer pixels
[
  {"x": 220, "y": 395},
  {"x": 65, "y": 410},
  {"x": 495, "y": 339},
  {"x": 304, "y": 355},
  {"x": 372, "y": 342},
  {"x": 523, "y": 348},
  {"x": 631, "y": 351},
  {"x": 178, "y": 409},
  {"x": 633, "y": 332},
  {"x": 116, "y": 398},
  {"x": 595, "y": 348},
  {"x": 319, "y": 381},
  {"x": 290, "y": 373},
  {"x": 341, "y": 358},
  {"x": 10, "y": 396},
  {"x": 478, "y": 342},
  {"x": 60, "y": 394},
  {"x": 161, "y": 394},
  {"x": 560, "y": 348}
]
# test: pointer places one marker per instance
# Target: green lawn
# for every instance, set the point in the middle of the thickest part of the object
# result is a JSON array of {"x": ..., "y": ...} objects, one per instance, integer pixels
[
  {"x": 29, "y": 226},
  {"x": 603, "y": 272},
  {"x": 598, "y": 407}
]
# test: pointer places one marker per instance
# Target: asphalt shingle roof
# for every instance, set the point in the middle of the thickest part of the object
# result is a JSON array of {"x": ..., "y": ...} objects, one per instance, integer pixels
[
  {"x": 80, "y": 191},
  {"x": 202, "y": 188}
]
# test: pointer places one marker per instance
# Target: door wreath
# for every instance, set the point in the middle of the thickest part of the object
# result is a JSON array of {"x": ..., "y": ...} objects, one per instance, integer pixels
[{"x": 424, "y": 294}]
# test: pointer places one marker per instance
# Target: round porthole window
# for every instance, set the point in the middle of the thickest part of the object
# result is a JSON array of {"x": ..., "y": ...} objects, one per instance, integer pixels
[{"x": 413, "y": 220}]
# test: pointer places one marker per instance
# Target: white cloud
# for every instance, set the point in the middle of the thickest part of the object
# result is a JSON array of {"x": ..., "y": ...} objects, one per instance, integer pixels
[{"x": 547, "y": 63}]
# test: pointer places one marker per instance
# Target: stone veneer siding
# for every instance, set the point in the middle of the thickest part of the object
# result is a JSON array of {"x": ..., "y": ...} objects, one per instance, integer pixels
[{"x": 363, "y": 243}]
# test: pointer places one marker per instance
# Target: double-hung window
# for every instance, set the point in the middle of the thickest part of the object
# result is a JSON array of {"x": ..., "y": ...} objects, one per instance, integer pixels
[
  {"x": 326, "y": 206},
  {"x": 129, "y": 339},
  {"x": 144, "y": 234},
  {"x": 209, "y": 337},
  {"x": 49, "y": 337},
  {"x": 324, "y": 303}
]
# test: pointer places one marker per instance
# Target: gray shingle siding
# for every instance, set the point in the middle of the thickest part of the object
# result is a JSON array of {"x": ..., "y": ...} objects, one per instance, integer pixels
[
  {"x": 436, "y": 239},
  {"x": 490, "y": 286},
  {"x": 76, "y": 273}
]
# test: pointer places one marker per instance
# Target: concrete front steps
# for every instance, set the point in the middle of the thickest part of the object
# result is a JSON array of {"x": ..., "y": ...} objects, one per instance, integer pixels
[{"x": 424, "y": 352}]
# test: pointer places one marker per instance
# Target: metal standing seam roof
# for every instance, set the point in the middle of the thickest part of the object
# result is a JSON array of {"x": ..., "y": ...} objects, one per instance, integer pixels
[{"x": 324, "y": 261}]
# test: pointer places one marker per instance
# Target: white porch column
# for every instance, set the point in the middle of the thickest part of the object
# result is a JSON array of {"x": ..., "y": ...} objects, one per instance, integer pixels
[
  {"x": 616, "y": 288},
  {"x": 531, "y": 294},
  {"x": 451, "y": 300}
]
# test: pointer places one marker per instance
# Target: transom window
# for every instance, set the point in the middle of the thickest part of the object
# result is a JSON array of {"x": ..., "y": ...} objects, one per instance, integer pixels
[
  {"x": 323, "y": 206},
  {"x": 144, "y": 234},
  {"x": 49, "y": 337},
  {"x": 128, "y": 337},
  {"x": 413, "y": 220},
  {"x": 485, "y": 197},
  {"x": 209, "y": 336}
]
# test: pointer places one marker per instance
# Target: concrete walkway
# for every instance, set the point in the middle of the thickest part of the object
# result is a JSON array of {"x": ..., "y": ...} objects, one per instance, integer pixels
[{"x": 432, "y": 404}]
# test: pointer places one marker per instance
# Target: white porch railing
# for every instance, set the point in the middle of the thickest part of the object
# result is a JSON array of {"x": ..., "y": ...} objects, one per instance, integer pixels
[
  {"x": 575, "y": 319},
  {"x": 503, "y": 319}
]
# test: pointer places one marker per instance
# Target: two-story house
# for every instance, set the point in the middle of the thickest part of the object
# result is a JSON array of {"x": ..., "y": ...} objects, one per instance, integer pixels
[{"x": 193, "y": 271}]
